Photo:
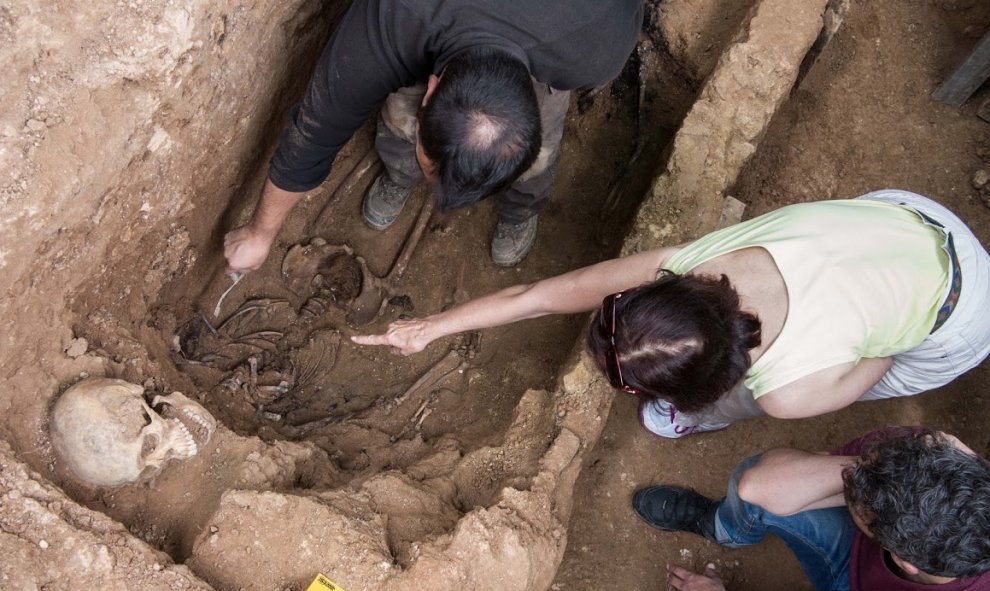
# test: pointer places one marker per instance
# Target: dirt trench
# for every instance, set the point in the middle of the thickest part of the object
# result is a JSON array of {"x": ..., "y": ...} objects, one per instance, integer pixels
[
  {"x": 131, "y": 127},
  {"x": 378, "y": 471}
]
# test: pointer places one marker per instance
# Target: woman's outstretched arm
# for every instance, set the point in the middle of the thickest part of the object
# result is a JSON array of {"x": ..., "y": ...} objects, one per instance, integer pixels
[{"x": 580, "y": 290}]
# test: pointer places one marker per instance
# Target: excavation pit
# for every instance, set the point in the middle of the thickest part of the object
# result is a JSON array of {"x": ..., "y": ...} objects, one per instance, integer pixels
[{"x": 452, "y": 468}]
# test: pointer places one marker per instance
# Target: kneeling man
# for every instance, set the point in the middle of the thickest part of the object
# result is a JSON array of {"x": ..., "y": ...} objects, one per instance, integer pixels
[{"x": 899, "y": 509}]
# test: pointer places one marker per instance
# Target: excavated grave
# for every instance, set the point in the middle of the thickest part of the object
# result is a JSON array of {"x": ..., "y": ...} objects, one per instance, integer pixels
[{"x": 382, "y": 473}]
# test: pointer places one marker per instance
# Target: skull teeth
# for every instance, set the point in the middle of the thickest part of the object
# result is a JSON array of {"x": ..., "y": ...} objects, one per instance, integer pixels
[
  {"x": 188, "y": 445},
  {"x": 196, "y": 420},
  {"x": 194, "y": 417}
]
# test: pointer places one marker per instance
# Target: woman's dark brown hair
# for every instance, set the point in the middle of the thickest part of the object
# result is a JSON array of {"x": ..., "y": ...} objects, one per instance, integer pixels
[{"x": 682, "y": 338}]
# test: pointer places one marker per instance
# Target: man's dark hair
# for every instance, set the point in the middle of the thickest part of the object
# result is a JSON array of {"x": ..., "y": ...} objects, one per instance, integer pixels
[
  {"x": 926, "y": 501},
  {"x": 682, "y": 338},
  {"x": 480, "y": 127}
]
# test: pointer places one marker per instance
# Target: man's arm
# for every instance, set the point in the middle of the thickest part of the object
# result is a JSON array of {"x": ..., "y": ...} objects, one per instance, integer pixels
[
  {"x": 376, "y": 49},
  {"x": 246, "y": 248},
  {"x": 788, "y": 481},
  {"x": 577, "y": 291},
  {"x": 370, "y": 55}
]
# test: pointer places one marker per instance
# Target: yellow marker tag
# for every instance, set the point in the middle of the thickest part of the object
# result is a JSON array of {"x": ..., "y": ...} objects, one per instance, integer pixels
[{"x": 322, "y": 583}]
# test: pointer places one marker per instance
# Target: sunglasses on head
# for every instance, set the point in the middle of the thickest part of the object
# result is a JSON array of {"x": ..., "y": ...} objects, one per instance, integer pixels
[{"x": 613, "y": 369}]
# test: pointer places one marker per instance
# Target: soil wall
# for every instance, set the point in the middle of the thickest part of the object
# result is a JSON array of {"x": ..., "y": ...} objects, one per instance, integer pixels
[{"x": 126, "y": 128}]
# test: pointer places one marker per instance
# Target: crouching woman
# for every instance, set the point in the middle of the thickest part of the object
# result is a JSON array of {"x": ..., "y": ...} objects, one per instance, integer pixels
[{"x": 795, "y": 313}]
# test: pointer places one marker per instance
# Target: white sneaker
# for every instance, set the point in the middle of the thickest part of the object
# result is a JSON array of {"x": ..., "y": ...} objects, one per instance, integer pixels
[{"x": 659, "y": 417}]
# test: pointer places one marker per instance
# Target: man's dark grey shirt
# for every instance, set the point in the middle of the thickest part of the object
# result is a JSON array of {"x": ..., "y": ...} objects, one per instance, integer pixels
[{"x": 381, "y": 46}]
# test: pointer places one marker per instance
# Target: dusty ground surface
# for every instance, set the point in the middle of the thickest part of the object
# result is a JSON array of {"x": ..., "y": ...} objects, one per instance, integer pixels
[{"x": 860, "y": 120}]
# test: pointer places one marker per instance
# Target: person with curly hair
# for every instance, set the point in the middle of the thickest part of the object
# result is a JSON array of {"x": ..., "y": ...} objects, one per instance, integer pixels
[
  {"x": 795, "y": 313},
  {"x": 903, "y": 509}
]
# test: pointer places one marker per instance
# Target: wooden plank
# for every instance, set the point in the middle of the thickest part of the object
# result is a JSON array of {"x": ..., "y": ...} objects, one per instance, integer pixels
[{"x": 968, "y": 77}]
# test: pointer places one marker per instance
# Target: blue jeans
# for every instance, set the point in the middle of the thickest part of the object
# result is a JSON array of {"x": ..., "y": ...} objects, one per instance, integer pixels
[{"x": 820, "y": 539}]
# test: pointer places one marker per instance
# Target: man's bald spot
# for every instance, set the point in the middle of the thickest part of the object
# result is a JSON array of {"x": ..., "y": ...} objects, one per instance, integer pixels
[{"x": 485, "y": 131}]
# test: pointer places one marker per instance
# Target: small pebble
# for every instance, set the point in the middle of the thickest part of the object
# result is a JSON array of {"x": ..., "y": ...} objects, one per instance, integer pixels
[
  {"x": 980, "y": 179},
  {"x": 43, "y": 544},
  {"x": 76, "y": 347}
]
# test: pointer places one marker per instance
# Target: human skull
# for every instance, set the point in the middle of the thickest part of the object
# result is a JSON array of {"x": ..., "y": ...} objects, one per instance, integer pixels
[{"x": 107, "y": 434}]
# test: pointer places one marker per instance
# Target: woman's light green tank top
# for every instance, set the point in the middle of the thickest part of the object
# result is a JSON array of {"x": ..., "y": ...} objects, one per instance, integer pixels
[{"x": 863, "y": 278}]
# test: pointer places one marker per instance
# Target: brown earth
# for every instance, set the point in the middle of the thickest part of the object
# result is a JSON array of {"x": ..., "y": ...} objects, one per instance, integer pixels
[
  {"x": 861, "y": 119},
  {"x": 385, "y": 485}
]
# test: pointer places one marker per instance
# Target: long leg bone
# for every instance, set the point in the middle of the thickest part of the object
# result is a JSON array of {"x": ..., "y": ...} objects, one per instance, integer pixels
[
  {"x": 399, "y": 268},
  {"x": 368, "y": 305},
  {"x": 420, "y": 414},
  {"x": 441, "y": 369},
  {"x": 369, "y": 161},
  {"x": 422, "y": 417}
]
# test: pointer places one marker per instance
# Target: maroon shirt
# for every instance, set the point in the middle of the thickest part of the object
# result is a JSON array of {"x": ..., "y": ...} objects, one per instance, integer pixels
[{"x": 869, "y": 569}]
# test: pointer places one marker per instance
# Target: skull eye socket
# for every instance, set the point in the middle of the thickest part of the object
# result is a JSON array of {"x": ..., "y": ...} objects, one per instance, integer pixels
[{"x": 149, "y": 445}]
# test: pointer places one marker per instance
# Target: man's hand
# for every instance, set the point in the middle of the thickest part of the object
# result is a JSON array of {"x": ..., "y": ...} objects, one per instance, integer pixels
[
  {"x": 684, "y": 580},
  {"x": 404, "y": 336},
  {"x": 246, "y": 248}
]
